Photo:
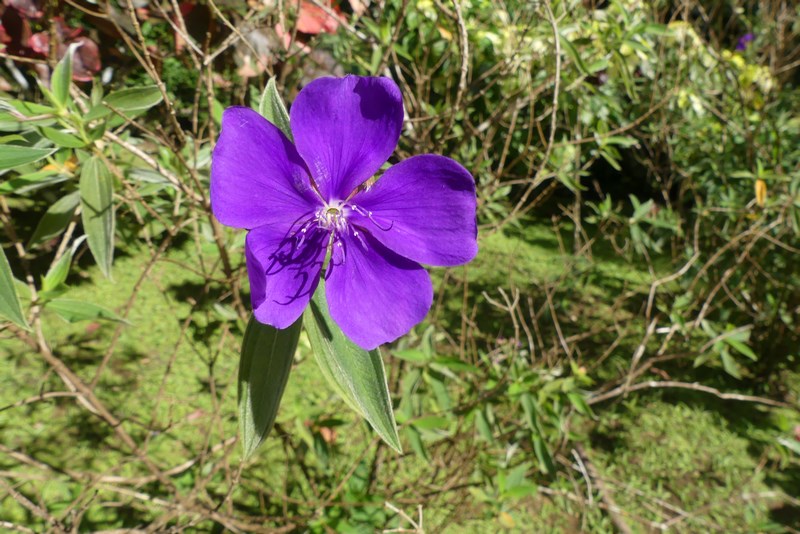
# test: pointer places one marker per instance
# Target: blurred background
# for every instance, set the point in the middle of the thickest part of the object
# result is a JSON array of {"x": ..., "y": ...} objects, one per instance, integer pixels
[{"x": 621, "y": 356}]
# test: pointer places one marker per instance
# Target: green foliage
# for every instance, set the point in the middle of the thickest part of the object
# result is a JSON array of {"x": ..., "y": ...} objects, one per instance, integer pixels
[{"x": 651, "y": 245}]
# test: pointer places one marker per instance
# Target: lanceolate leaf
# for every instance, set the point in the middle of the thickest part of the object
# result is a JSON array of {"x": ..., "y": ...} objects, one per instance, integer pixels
[
  {"x": 134, "y": 98},
  {"x": 264, "y": 365},
  {"x": 272, "y": 108},
  {"x": 15, "y": 155},
  {"x": 9, "y": 301},
  {"x": 56, "y": 218},
  {"x": 97, "y": 212},
  {"x": 73, "y": 311},
  {"x": 357, "y": 375},
  {"x": 62, "y": 78}
]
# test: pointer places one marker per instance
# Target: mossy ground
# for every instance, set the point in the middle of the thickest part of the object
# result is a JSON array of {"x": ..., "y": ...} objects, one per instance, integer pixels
[{"x": 656, "y": 453}]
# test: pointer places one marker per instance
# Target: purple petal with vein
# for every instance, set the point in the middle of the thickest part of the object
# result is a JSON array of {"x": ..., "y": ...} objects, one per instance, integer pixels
[
  {"x": 374, "y": 295},
  {"x": 257, "y": 176},
  {"x": 283, "y": 275},
  {"x": 345, "y": 129},
  {"x": 423, "y": 208}
]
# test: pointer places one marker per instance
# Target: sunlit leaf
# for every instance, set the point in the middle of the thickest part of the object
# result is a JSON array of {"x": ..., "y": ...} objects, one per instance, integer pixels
[
  {"x": 134, "y": 98},
  {"x": 357, "y": 375},
  {"x": 15, "y": 155},
  {"x": 97, "y": 212},
  {"x": 74, "y": 311},
  {"x": 272, "y": 108},
  {"x": 10, "y": 307},
  {"x": 264, "y": 365}
]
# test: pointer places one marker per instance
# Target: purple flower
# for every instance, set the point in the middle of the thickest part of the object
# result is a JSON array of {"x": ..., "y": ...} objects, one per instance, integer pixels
[
  {"x": 744, "y": 40},
  {"x": 299, "y": 199}
]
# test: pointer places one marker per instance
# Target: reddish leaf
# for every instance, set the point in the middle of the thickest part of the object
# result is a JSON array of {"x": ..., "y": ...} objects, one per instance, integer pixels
[{"x": 312, "y": 19}]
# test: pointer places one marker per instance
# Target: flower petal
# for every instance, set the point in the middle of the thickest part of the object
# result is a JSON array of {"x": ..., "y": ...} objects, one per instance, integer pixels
[
  {"x": 424, "y": 209},
  {"x": 345, "y": 129},
  {"x": 283, "y": 275},
  {"x": 374, "y": 295},
  {"x": 257, "y": 176}
]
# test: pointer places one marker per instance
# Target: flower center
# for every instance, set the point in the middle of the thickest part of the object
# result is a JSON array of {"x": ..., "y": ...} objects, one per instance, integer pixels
[{"x": 333, "y": 216}]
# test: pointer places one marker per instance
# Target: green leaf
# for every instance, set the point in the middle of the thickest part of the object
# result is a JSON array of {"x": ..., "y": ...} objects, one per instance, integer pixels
[
  {"x": 742, "y": 348},
  {"x": 97, "y": 212},
  {"x": 264, "y": 365},
  {"x": 134, "y": 98},
  {"x": 97, "y": 112},
  {"x": 790, "y": 444},
  {"x": 539, "y": 446},
  {"x": 56, "y": 218},
  {"x": 543, "y": 455},
  {"x": 62, "y": 78},
  {"x": 415, "y": 440},
  {"x": 411, "y": 355},
  {"x": 431, "y": 422},
  {"x": 357, "y": 375},
  {"x": 74, "y": 311},
  {"x": 10, "y": 307},
  {"x": 579, "y": 403},
  {"x": 15, "y": 155},
  {"x": 272, "y": 108},
  {"x": 57, "y": 274},
  {"x": 62, "y": 138},
  {"x": 573, "y": 53},
  {"x": 483, "y": 426},
  {"x": 33, "y": 181},
  {"x": 729, "y": 364}
]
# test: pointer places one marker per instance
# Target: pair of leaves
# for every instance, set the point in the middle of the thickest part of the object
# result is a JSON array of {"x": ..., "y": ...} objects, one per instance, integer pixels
[
  {"x": 267, "y": 353},
  {"x": 266, "y": 359}
]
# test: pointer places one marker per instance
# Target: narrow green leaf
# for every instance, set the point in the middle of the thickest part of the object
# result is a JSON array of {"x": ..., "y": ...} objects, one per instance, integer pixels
[
  {"x": 543, "y": 455},
  {"x": 97, "y": 212},
  {"x": 580, "y": 404},
  {"x": 483, "y": 426},
  {"x": 62, "y": 138},
  {"x": 357, "y": 375},
  {"x": 539, "y": 446},
  {"x": 57, "y": 274},
  {"x": 791, "y": 444},
  {"x": 134, "y": 98},
  {"x": 10, "y": 307},
  {"x": 411, "y": 355},
  {"x": 32, "y": 181},
  {"x": 415, "y": 439},
  {"x": 264, "y": 365},
  {"x": 15, "y": 155},
  {"x": 431, "y": 422},
  {"x": 62, "y": 78},
  {"x": 272, "y": 108},
  {"x": 74, "y": 311},
  {"x": 573, "y": 53},
  {"x": 97, "y": 112},
  {"x": 56, "y": 218},
  {"x": 730, "y": 365},
  {"x": 742, "y": 348}
]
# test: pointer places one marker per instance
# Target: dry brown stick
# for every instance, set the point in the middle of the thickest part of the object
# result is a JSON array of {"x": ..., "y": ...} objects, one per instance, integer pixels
[{"x": 656, "y": 384}]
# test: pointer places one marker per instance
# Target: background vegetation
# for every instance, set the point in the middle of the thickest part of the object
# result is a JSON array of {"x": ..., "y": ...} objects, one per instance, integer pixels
[{"x": 622, "y": 355}]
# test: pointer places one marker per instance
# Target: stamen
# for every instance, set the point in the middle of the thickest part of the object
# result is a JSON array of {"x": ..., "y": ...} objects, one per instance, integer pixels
[
  {"x": 360, "y": 239},
  {"x": 368, "y": 215},
  {"x": 303, "y": 231}
]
